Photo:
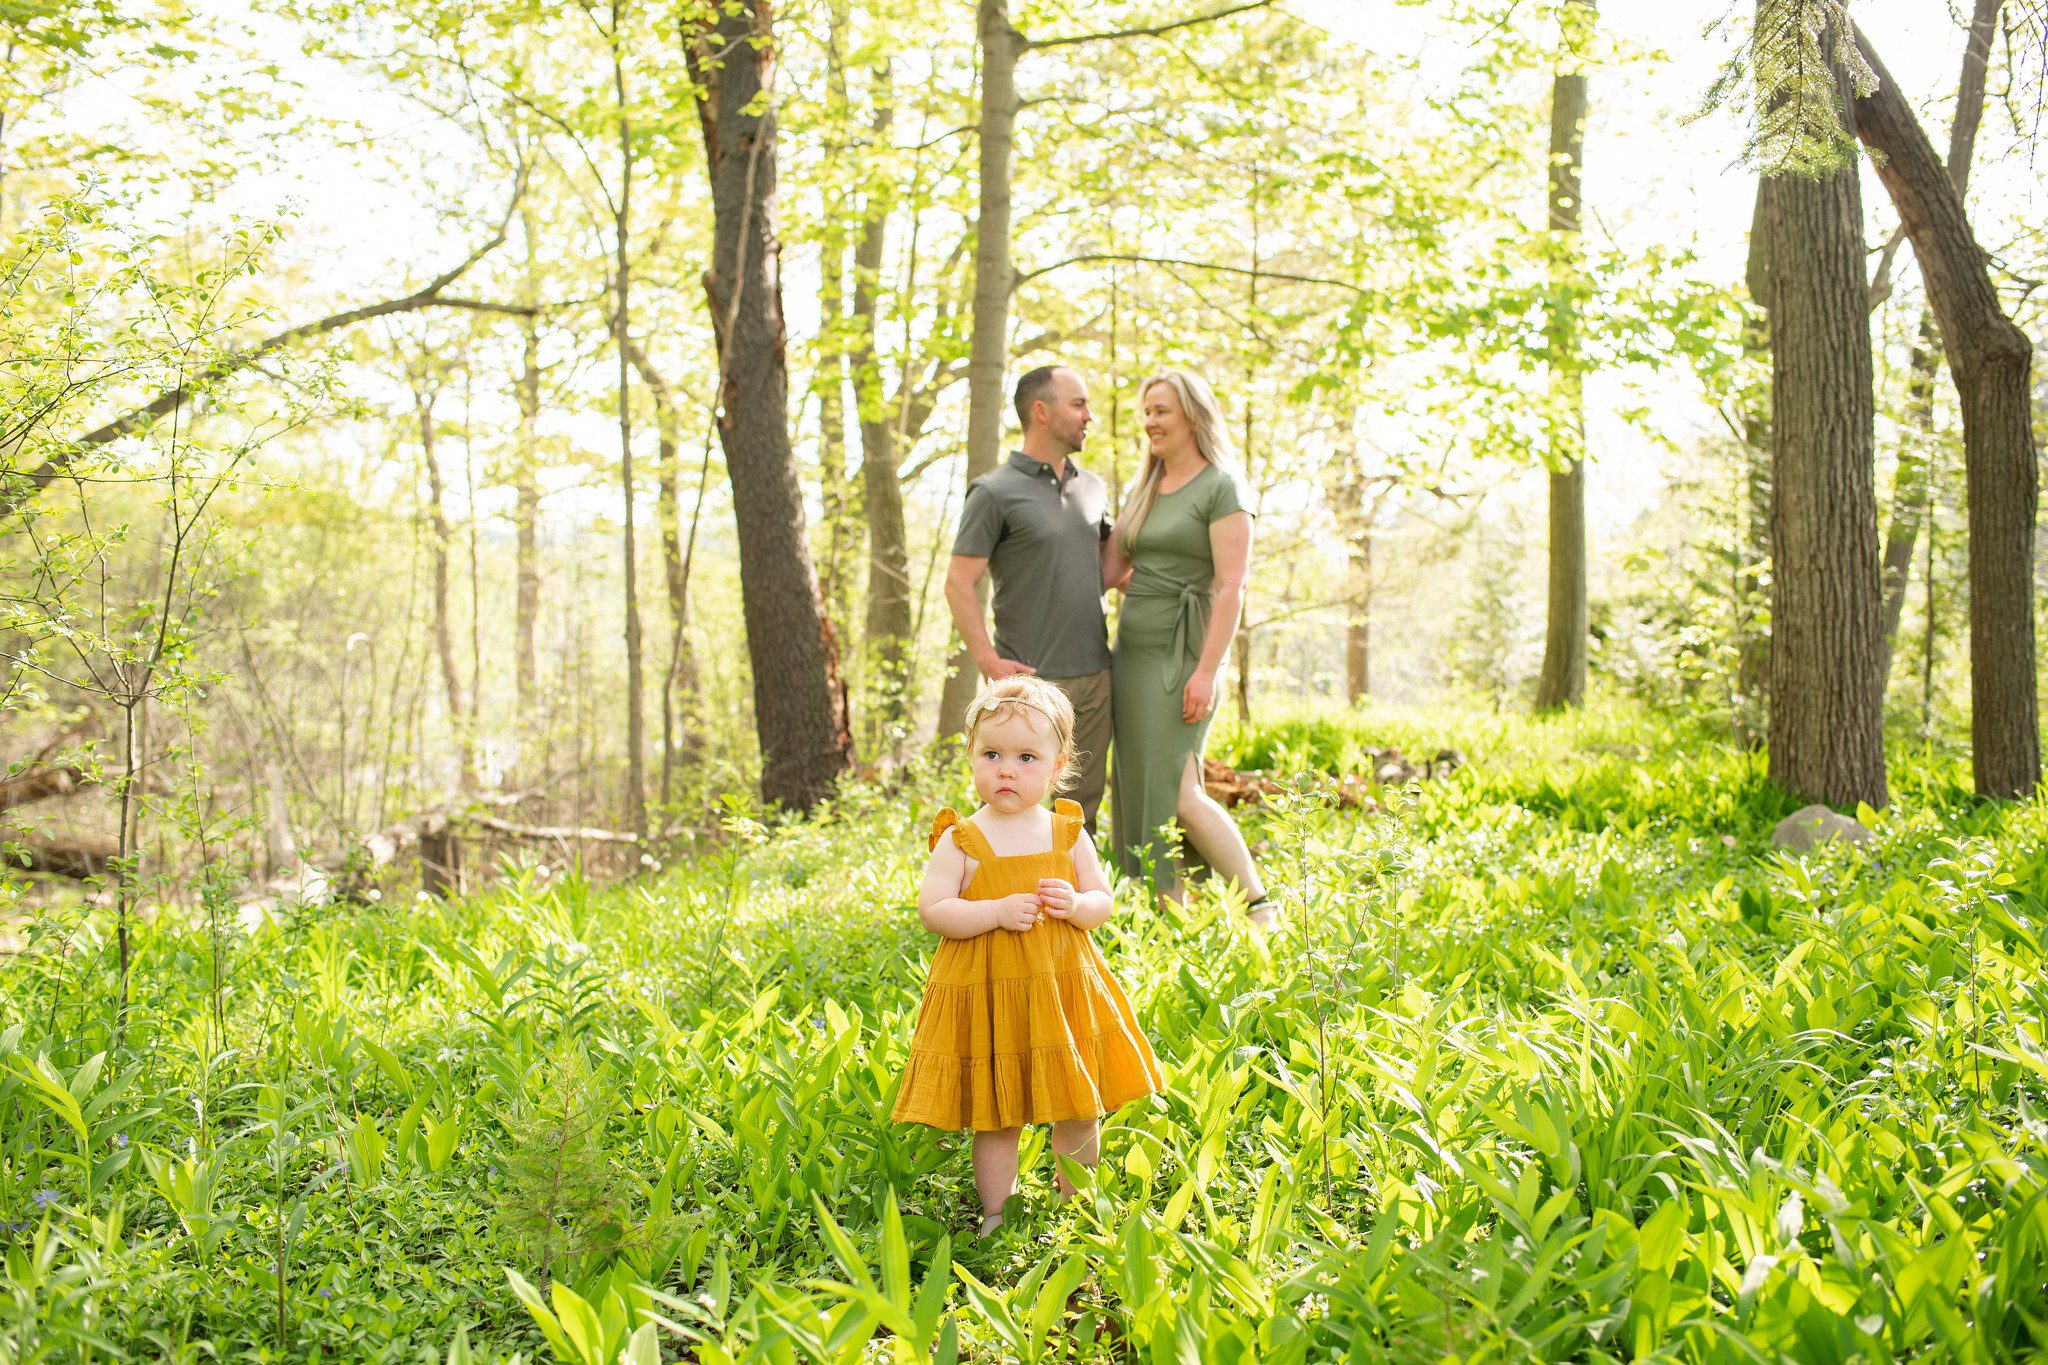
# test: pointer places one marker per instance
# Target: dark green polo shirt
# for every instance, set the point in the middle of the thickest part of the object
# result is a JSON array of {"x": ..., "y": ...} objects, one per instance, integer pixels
[{"x": 1042, "y": 537}]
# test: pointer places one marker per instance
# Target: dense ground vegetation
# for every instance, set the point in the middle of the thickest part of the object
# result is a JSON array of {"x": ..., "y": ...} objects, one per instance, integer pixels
[{"x": 1556, "y": 1058}]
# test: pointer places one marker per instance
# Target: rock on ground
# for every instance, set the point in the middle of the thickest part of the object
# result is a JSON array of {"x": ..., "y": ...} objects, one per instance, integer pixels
[{"x": 1810, "y": 826}]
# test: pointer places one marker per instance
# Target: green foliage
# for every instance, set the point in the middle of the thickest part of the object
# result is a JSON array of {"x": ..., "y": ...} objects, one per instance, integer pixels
[{"x": 1556, "y": 1058}]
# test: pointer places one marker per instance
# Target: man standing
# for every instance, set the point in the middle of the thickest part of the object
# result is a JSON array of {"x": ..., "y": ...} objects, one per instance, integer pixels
[{"x": 1038, "y": 522}]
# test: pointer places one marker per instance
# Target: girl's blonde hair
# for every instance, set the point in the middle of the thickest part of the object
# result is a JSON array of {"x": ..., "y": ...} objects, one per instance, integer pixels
[
  {"x": 1212, "y": 439},
  {"x": 1022, "y": 692}
]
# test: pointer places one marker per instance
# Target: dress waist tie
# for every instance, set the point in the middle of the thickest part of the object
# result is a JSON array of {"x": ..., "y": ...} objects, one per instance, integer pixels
[{"x": 1190, "y": 625}]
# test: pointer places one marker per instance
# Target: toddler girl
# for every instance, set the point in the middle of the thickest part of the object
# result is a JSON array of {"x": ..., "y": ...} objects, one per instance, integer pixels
[{"x": 1021, "y": 1022}]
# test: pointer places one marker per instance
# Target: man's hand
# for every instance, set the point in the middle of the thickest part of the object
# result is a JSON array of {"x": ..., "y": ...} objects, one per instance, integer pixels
[
  {"x": 1198, "y": 698},
  {"x": 1056, "y": 896},
  {"x": 1018, "y": 913},
  {"x": 996, "y": 666}
]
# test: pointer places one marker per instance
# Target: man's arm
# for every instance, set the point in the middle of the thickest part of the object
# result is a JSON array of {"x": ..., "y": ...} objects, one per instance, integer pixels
[{"x": 962, "y": 574}]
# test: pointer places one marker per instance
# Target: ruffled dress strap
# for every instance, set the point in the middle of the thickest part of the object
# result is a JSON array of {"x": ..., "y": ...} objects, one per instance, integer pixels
[
  {"x": 965, "y": 834},
  {"x": 1067, "y": 821}
]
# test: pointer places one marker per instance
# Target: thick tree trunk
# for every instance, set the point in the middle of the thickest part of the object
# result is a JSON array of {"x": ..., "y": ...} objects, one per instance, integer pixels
[
  {"x": 994, "y": 277},
  {"x": 622, "y": 279},
  {"x": 799, "y": 701},
  {"x": 1562, "y": 682},
  {"x": 1826, "y": 722},
  {"x": 1991, "y": 361},
  {"x": 444, "y": 630}
]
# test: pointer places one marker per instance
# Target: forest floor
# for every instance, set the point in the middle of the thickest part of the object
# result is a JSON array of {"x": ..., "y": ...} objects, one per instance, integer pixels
[{"x": 1556, "y": 1057}]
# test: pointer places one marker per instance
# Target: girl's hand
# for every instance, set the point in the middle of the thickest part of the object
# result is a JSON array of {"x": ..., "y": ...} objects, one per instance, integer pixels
[
  {"x": 1198, "y": 698},
  {"x": 1018, "y": 913},
  {"x": 1056, "y": 896}
]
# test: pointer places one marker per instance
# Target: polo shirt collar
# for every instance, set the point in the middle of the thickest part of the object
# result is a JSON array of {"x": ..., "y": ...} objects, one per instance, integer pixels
[{"x": 1039, "y": 469}]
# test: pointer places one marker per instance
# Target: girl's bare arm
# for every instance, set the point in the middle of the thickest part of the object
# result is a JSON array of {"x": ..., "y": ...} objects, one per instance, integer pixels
[
  {"x": 943, "y": 910},
  {"x": 1092, "y": 903}
]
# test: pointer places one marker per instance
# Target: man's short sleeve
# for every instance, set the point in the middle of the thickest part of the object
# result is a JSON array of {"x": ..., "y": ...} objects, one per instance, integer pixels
[{"x": 981, "y": 522}]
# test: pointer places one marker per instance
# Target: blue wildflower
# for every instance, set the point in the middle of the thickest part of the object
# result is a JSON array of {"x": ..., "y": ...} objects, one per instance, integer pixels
[{"x": 45, "y": 1198}]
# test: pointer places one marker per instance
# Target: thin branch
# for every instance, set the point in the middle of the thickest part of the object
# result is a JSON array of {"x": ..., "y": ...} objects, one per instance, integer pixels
[
  {"x": 1152, "y": 31},
  {"x": 1263, "y": 274}
]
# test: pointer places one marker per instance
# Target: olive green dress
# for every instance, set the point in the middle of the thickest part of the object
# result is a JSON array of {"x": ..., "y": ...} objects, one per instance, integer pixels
[{"x": 1158, "y": 643}]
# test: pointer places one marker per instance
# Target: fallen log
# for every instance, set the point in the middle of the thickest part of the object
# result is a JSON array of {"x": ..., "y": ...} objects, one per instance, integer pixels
[
  {"x": 81, "y": 860},
  {"x": 560, "y": 834},
  {"x": 40, "y": 783},
  {"x": 1227, "y": 786}
]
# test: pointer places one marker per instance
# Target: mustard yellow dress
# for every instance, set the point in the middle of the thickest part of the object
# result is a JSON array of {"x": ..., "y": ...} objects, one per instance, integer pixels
[{"x": 1021, "y": 1027}]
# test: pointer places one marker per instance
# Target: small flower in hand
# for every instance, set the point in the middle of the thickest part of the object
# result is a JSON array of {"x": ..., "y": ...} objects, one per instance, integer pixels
[{"x": 1057, "y": 896}]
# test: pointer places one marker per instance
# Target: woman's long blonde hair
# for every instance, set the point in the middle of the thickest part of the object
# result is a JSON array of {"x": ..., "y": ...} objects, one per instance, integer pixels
[{"x": 1212, "y": 439}]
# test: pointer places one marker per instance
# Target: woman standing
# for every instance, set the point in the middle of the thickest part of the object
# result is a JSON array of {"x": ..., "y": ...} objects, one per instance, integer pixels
[{"x": 1181, "y": 552}]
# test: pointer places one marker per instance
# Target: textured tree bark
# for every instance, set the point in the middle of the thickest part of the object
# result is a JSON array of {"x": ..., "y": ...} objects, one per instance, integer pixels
[
  {"x": 799, "y": 701},
  {"x": 1567, "y": 624},
  {"x": 1826, "y": 721},
  {"x": 1991, "y": 362},
  {"x": 1911, "y": 487}
]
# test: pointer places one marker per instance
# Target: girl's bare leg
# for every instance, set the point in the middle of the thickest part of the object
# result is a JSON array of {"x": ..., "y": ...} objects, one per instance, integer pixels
[
  {"x": 1080, "y": 1139},
  {"x": 1215, "y": 836},
  {"x": 995, "y": 1173}
]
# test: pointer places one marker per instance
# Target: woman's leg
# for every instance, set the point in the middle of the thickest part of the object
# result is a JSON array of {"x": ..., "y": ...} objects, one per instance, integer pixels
[
  {"x": 995, "y": 1173},
  {"x": 1080, "y": 1139},
  {"x": 1214, "y": 834}
]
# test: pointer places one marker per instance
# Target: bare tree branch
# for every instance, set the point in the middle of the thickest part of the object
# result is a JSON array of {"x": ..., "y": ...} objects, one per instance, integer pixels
[
  {"x": 19, "y": 489},
  {"x": 1261, "y": 273},
  {"x": 1150, "y": 31}
]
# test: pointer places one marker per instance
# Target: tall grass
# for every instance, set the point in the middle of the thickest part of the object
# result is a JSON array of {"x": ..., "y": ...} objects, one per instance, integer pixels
[{"x": 1555, "y": 1059}]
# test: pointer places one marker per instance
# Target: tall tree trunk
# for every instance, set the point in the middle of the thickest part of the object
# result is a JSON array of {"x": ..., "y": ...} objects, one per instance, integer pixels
[
  {"x": 1991, "y": 362},
  {"x": 1910, "y": 488},
  {"x": 1826, "y": 723},
  {"x": 834, "y": 486},
  {"x": 677, "y": 739},
  {"x": 1358, "y": 625},
  {"x": 799, "y": 701},
  {"x": 526, "y": 533},
  {"x": 1911, "y": 483},
  {"x": 1753, "y": 661},
  {"x": 1562, "y": 682},
  {"x": 444, "y": 629},
  {"x": 994, "y": 276},
  {"x": 622, "y": 273},
  {"x": 888, "y": 627}
]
